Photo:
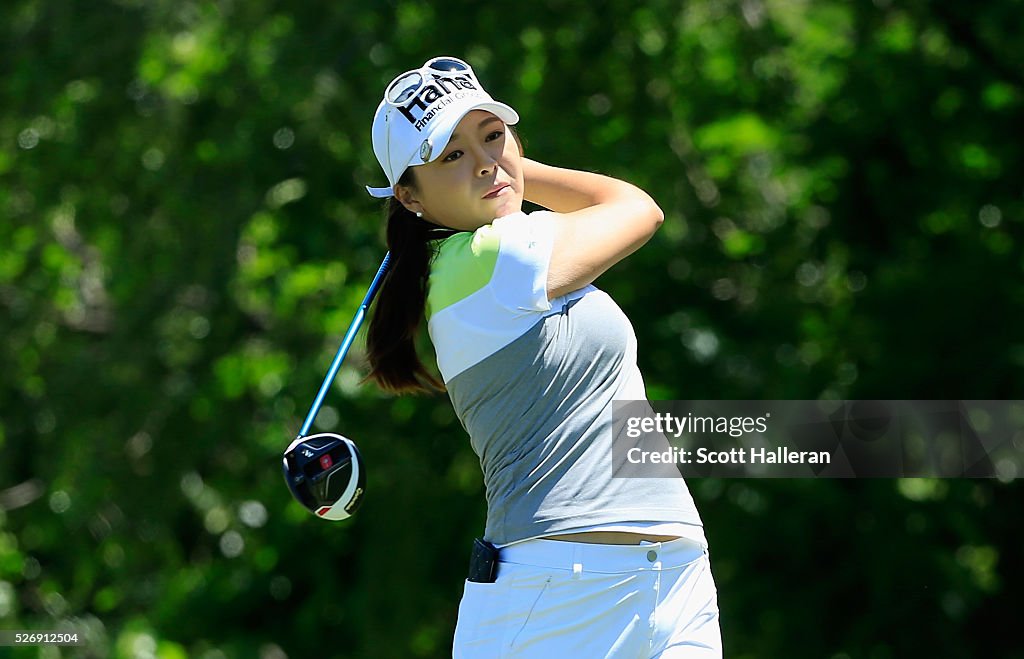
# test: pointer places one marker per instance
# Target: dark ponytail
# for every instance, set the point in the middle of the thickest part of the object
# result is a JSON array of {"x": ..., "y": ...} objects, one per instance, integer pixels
[{"x": 401, "y": 301}]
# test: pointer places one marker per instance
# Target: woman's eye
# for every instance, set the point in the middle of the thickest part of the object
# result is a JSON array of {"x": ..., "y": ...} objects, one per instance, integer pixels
[
  {"x": 453, "y": 156},
  {"x": 495, "y": 135}
]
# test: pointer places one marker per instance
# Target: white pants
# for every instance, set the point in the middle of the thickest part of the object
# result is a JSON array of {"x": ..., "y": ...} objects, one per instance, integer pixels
[{"x": 562, "y": 600}]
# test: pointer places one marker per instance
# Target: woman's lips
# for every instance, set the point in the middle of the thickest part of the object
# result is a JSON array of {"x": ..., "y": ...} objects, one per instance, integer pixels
[{"x": 497, "y": 190}]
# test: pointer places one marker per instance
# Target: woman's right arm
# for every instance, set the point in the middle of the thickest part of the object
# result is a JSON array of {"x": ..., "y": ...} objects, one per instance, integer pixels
[{"x": 599, "y": 221}]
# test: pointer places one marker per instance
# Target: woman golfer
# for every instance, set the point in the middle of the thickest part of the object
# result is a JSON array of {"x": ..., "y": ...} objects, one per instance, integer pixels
[{"x": 532, "y": 356}]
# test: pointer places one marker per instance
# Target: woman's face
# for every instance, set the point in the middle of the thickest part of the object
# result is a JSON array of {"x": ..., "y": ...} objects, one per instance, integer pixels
[{"x": 477, "y": 178}]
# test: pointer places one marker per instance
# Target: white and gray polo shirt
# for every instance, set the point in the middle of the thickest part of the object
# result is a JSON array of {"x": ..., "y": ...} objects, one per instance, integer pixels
[{"x": 533, "y": 381}]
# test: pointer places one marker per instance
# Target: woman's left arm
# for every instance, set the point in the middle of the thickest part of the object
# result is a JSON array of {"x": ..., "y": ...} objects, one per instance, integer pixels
[
  {"x": 598, "y": 221},
  {"x": 547, "y": 186}
]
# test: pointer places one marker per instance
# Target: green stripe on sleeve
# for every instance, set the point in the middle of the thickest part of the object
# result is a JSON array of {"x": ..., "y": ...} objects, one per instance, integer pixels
[{"x": 464, "y": 265}]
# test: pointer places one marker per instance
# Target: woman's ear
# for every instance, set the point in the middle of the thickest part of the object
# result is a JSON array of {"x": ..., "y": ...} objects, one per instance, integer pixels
[{"x": 407, "y": 197}]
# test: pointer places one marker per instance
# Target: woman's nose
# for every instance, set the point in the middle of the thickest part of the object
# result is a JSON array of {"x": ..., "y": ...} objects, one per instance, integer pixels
[{"x": 485, "y": 162}]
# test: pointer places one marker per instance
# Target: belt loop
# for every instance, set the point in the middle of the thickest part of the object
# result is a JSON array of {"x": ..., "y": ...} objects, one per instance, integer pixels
[{"x": 577, "y": 564}]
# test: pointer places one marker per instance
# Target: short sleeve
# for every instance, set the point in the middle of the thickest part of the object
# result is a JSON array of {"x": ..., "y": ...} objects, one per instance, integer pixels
[{"x": 520, "y": 278}]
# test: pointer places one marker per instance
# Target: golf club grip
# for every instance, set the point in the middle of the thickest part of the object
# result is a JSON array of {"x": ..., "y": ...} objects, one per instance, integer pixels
[{"x": 357, "y": 321}]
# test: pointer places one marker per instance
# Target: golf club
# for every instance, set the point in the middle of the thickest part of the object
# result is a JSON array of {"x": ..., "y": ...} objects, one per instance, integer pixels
[{"x": 325, "y": 471}]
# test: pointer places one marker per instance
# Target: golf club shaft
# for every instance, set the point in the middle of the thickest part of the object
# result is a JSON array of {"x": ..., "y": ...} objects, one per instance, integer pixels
[{"x": 357, "y": 321}]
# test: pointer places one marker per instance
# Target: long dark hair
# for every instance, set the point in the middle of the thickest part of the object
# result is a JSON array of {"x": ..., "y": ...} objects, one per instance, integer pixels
[{"x": 391, "y": 340}]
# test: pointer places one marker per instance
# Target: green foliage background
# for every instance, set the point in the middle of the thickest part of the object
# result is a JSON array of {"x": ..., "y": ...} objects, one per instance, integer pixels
[{"x": 184, "y": 238}]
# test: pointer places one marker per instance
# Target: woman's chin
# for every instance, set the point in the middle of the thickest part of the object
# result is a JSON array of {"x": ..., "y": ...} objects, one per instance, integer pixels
[{"x": 507, "y": 207}]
